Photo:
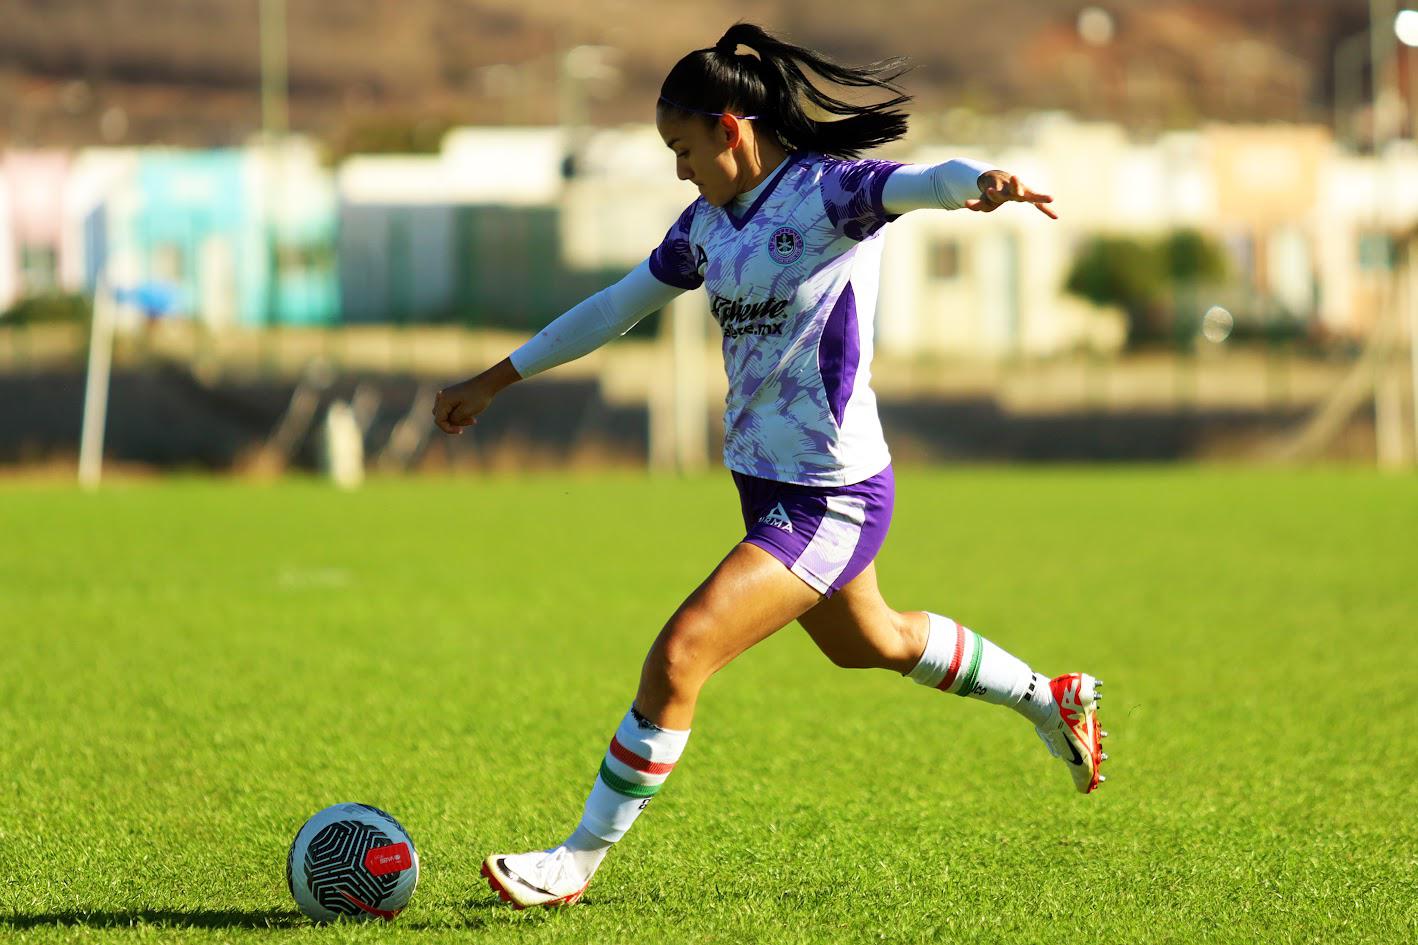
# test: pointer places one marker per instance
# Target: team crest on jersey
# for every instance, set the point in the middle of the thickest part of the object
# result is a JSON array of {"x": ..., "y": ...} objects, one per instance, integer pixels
[{"x": 785, "y": 245}]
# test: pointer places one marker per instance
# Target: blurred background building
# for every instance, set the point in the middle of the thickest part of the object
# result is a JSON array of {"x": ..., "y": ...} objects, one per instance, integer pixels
[{"x": 287, "y": 205}]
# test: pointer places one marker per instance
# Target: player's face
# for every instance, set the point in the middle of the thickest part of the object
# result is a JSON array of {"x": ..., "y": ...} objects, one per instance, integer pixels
[{"x": 703, "y": 154}]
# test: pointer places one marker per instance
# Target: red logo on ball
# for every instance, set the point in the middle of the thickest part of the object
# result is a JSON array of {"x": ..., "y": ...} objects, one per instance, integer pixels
[{"x": 390, "y": 859}]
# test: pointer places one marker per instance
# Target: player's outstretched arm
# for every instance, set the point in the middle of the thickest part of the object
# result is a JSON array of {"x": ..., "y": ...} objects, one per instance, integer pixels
[
  {"x": 608, "y": 314},
  {"x": 956, "y": 185}
]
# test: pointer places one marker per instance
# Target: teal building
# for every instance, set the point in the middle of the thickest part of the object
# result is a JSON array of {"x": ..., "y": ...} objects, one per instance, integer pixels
[{"x": 242, "y": 237}]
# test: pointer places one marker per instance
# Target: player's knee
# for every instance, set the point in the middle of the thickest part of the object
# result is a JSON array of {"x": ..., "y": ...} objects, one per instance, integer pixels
[{"x": 678, "y": 657}]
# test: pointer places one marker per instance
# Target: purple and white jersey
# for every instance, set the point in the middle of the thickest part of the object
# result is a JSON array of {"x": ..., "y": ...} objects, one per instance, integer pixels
[{"x": 792, "y": 283}]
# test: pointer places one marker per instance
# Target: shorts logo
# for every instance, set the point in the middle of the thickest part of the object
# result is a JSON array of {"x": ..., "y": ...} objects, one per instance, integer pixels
[
  {"x": 785, "y": 246},
  {"x": 778, "y": 518}
]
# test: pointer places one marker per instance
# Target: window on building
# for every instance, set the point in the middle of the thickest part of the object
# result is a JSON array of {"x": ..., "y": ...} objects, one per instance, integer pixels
[
  {"x": 304, "y": 259},
  {"x": 39, "y": 268},
  {"x": 1377, "y": 251},
  {"x": 943, "y": 259}
]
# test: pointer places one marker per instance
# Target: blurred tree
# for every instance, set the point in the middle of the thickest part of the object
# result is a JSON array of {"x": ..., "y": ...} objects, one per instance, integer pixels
[
  {"x": 1150, "y": 280},
  {"x": 1189, "y": 257},
  {"x": 1190, "y": 262},
  {"x": 49, "y": 308},
  {"x": 1113, "y": 270}
]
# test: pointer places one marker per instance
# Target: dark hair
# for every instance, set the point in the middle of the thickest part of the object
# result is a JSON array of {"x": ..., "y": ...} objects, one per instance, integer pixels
[{"x": 774, "y": 87}]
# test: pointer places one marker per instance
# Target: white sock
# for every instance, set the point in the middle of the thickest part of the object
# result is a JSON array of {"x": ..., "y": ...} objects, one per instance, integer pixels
[
  {"x": 639, "y": 759},
  {"x": 959, "y": 660},
  {"x": 587, "y": 850}
]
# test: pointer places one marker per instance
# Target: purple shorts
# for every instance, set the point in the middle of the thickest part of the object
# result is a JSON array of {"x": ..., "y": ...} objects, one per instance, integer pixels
[{"x": 826, "y": 535}]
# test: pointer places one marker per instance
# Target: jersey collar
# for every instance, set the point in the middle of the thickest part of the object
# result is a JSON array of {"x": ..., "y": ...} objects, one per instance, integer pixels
[{"x": 740, "y": 222}]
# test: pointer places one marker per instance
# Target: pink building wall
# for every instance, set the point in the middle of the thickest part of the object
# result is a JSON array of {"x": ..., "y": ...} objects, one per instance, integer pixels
[{"x": 33, "y": 214}]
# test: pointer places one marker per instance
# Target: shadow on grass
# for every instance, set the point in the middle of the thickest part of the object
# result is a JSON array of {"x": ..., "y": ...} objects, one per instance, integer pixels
[
  {"x": 479, "y": 914},
  {"x": 196, "y": 919}
]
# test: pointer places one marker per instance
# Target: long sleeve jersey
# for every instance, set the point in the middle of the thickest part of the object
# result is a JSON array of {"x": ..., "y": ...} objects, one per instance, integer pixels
[{"x": 791, "y": 270}]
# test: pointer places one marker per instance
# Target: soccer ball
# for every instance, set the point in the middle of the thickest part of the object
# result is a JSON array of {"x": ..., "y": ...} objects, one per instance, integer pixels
[{"x": 352, "y": 860}]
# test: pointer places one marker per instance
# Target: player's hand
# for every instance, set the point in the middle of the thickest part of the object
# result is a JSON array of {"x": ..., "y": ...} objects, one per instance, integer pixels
[
  {"x": 998, "y": 188},
  {"x": 458, "y": 406}
]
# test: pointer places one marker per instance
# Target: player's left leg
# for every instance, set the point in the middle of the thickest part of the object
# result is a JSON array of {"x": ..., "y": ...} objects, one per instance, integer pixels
[
  {"x": 748, "y": 597},
  {"x": 857, "y": 629}
]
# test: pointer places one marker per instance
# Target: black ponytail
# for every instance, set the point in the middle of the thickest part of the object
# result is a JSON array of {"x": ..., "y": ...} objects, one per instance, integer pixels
[{"x": 773, "y": 86}]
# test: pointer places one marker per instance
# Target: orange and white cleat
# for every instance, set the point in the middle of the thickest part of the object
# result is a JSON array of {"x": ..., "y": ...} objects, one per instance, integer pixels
[
  {"x": 1075, "y": 736},
  {"x": 540, "y": 878}
]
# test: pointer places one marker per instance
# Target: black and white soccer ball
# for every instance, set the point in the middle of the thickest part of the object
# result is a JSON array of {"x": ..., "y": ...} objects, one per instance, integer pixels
[{"x": 352, "y": 860}]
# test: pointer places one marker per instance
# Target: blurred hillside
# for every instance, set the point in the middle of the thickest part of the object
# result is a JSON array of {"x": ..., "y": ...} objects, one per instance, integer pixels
[{"x": 369, "y": 75}]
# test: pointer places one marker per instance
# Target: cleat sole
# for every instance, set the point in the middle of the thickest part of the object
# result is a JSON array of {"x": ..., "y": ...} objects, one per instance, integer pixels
[
  {"x": 1099, "y": 756},
  {"x": 1089, "y": 698}
]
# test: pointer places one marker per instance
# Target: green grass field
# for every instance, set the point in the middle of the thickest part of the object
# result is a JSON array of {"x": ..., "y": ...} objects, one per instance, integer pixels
[{"x": 192, "y": 668}]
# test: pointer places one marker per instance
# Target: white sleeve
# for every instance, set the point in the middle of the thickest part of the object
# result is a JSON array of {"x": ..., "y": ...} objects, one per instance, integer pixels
[
  {"x": 939, "y": 186},
  {"x": 610, "y": 312}
]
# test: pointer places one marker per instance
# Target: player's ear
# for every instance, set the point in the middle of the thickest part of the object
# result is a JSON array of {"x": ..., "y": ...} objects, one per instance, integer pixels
[{"x": 729, "y": 125}]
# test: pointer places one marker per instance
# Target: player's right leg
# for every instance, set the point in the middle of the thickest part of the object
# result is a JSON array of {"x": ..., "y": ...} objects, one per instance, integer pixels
[{"x": 856, "y": 628}]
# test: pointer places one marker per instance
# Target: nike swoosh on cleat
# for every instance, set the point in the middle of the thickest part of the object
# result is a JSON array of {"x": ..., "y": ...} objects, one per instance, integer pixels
[
  {"x": 1077, "y": 758},
  {"x": 502, "y": 865}
]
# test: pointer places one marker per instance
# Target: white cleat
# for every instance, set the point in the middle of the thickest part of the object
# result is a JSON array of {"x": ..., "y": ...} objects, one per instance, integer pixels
[
  {"x": 1073, "y": 736},
  {"x": 540, "y": 878}
]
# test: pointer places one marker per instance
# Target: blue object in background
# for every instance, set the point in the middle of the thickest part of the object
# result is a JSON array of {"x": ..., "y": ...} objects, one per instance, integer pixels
[{"x": 155, "y": 299}]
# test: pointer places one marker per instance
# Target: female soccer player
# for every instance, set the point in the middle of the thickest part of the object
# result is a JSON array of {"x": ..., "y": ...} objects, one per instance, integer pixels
[{"x": 784, "y": 237}]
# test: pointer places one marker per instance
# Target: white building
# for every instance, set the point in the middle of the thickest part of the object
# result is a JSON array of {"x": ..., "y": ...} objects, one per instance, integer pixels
[
  {"x": 405, "y": 235},
  {"x": 492, "y": 224}
]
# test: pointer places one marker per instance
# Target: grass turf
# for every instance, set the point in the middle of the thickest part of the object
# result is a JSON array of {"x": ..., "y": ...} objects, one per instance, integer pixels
[{"x": 191, "y": 668}]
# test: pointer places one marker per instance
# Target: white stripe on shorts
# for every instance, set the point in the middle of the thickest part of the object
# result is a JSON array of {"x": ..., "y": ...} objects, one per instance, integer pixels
[{"x": 834, "y": 542}]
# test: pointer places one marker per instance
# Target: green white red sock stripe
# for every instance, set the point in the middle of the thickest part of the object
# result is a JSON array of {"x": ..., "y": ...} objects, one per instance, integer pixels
[
  {"x": 626, "y": 786},
  {"x": 959, "y": 660},
  {"x": 630, "y": 759},
  {"x": 637, "y": 763},
  {"x": 964, "y": 667},
  {"x": 951, "y": 661}
]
